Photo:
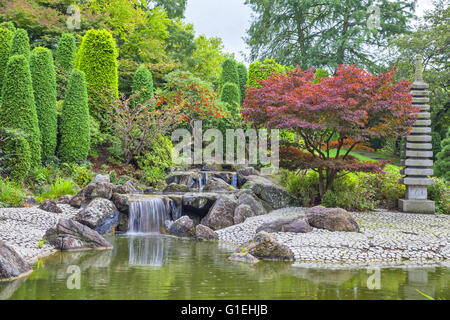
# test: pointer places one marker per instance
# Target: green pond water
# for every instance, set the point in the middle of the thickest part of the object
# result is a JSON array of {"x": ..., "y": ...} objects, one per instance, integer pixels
[{"x": 162, "y": 267}]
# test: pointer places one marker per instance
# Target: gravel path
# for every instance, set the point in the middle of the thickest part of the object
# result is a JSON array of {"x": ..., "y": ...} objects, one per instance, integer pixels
[
  {"x": 22, "y": 228},
  {"x": 384, "y": 236}
]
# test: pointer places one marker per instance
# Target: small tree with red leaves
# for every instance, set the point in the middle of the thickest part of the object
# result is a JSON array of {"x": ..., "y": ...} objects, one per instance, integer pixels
[{"x": 340, "y": 112}]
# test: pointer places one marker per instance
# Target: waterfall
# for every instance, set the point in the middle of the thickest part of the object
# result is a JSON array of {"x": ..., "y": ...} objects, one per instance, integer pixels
[
  {"x": 147, "y": 216},
  {"x": 174, "y": 210},
  {"x": 202, "y": 180},
  {"x": 234, "y": 181}
]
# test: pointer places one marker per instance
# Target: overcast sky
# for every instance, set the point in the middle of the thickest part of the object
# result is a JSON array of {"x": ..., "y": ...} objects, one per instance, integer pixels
[{"x": 230, "y": 19}]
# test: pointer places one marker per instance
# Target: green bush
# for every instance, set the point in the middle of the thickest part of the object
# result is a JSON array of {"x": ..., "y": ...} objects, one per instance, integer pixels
[
  {"x": 229, "y": 72},
  {"x": 44, "y": 87},
  {"x": 231, "y": 96},
  {"x": 303, "y": 186},
  {"x": 16, "y": 156},
  {"x": 143, "y": 85},
  {"x": 436, "y": 143},
  {"x": 82, "y": 175},
  {"x": 20, "y": 44},
  {"x": 156, "y": 161},
  {"x": 6, "y": 36},
  {"x": 59, "y": 188},
  {"x": 259, "y": 71},
  {"x": 64, "y": 60},
  {"x": 242, "y": 71},
  {"x": 8, "y": 25},
  {"x": 440, "y": 194},
  {"x": 74, "y": 130},
  {"x": 97, "y": 58},
  {"x": 18, "y": 105},
  {"x": 320, "y": 74},
  {"x": 11, "y": 193},
  {"x": 442, "y": 166}
]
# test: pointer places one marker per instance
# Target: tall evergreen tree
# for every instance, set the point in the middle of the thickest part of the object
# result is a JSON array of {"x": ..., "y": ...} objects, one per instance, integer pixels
[
  {"x": 64, "y": 60},
  {"x": 6, "y": 36},
  {"x": 242, "y": 71},
  {"x": 18, "y": 106},
  {"x": 20, "y": 43},
  {"x": 74, "y": 127},
  {"x": 229, "y": 72},
  {"x": 143, "y": 85},
  {"x": 231, "y": 95},
  {"x": 44, "y": 87}
]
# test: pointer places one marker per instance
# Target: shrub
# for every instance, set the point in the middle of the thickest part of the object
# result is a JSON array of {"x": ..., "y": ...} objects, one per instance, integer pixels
[
  {"x": 259, "y": 71},
  {"x": 8, "y": 25},
  {"x": 11, "y": 193},
  {"x": 6, "y": 36},
  {"x": 17, "y": 157},
  {"x": 82, "y": 175},
  {"x": 18, "y": 105},
  {"x": 59, "y": 188},
  {"x": 231, "y": 96},
  {"x": 20, "y": 44},
  {"x": 442, "y": 165},
  {"x": 96, "y": 57},
  {"x": 64, "y": 60},
  {"x": 156, "y": 161},
  {"x": 303, "y": 185},
  {"x": 440, "y": 194},
  {"x": 44, "y": 87},
  {"x": 242, "y": 71},
  {"x": 320, "y": 74},
  {"x": 75, "y": 132},
  {"x": 436, "y": 143},
  {"x": 229, "y": 72},
  {"x": 143, "y": 85}
]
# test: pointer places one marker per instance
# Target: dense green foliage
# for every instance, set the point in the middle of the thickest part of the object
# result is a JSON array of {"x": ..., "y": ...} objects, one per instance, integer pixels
[
  {"x": 16, "y": 156},
  {"x": 242, "y": 71},
  {"x": 64, "y": 60},
  {"x": 96, "y": 57},
  {"x": 156, "y": 161},
  {"x": 143, "y": 85},
  {"x": 74, "y": 128},
  {"x": 320, "y": 74},
  {"x": 18, "y": 105},
  {"x": 11, "y": 193},
  {"x": 229, "y": 72},
  {"x": 259, "y": 71},
  {"x": 20, "y": 44},
  {"x": 5, "y": 47},
  {"x": 44, "y": 86},
  {"x": 442, "y": 165},
  {"x": 231, "y": 96},
  {"x": 174, "y": 8}
]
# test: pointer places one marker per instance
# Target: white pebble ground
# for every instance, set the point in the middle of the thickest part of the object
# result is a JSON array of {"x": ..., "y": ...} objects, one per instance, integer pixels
[{"x": 385, "y": 236}]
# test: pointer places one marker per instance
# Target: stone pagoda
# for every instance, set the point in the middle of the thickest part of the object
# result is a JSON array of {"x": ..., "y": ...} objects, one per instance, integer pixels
[{"x": 418, "y": 155}]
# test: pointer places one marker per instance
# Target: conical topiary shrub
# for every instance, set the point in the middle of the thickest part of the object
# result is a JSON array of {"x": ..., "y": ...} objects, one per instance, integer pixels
[
  {"x": 229, "y": 72},
  {"x": 44, "y": 87},
  {"x": 64, "y": 61},
  {"x": 242, "y": 71},
  {"x": 20, "y": 44},
  {"x": 143, "y": 85},
  {"x": 18, "y": 106},
  {"x": 6, "y": 36},
  {"x": 442, "y": 165},
  {"x": 15, "y": 153},
  {"x": 74, "y": 126},
  {"x": 231, "y": 96}
]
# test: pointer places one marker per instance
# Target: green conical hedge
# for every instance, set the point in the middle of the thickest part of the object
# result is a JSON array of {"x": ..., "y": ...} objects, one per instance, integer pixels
[
  {"x": 8, "y": 25},
  {"x": 15, "y": 151},
  {"x": 97, "y": 58},
  {"x": 229, "y": 72},
  {"x": 74, "y": 127},
  {"x": 6, "y": 36},
  {"x": 230, "y": 94},
  {"x": 442, "y": 165},
  {"x": 20, "y": 44},
  {"x": 143, "y": 84},
  {"x": 18, "y": 106},
  {"x": 44, "y": 87},
  {"x": 64, "y": 61},
  {"x": 242, "y": 71}
]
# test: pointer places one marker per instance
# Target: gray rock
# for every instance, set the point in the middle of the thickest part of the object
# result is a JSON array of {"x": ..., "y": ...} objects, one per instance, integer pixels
[
  {"x": 297, "y": 226},
  {"x": 242, "y": 175},
  {"x": 251, "y": 200},
  {"x": 100, "y": 215},
  {"x": 183, "y": 227},
  {"x": 266, "y": 246},
  {"x": 275, "y": 226},
  {"x": 243, "y": 257},
  {"x": 65, "y": 199},
  {"x": 128, "y": 187},
  {"x": 12, "y": 266},
  {"x": 243, "y": 212},
  {"x": 199, "y": 203},
  {"x": 29, "y": 202},
  {"x": 331, "y": 219},
  {"x": 121, "y": 201},
  {"x": 216, "y": 184},
  {"x": 149, "y": 190},
  {"x": 221, "y": 214},
  {"x": 91, "y": 191},
  {"x": 204, "y": 233},
  {"x": 186, "y": 178},
  {"x": 50, "y": 206},
  {"x": 102, "y": 178},
  {"x": 274, "y": 195},
  {"x": 174, "y": 187},
  {"x": 123, "y": 222},
  {"x": 70, "y": 235}
]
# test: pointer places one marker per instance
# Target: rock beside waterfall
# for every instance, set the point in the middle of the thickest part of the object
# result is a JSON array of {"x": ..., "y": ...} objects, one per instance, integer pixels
[
  {"x": 331, "y": 219},
  {"x": 186, "y": 178},
  {"x": 199, "y": 203},
  {"x": 216, "y": 184},
  {"x": 50, "y": 206},
  {"x": 70, "y": 235},
  {"x": 128, "y": 187},
  {"x": 266, "y": 246},
  {"x": 91, "y": 191},
  {"x": 249, "y": 198},
  {"x": 204, "y": 233},
  {"x": 243, "y": 212},
  {"x": 242, "y": 175},
  {"x": 12, "y": 266},
  {"x": 221, "y": 214},
  {"x": 121, "y": 201},
  {"x": 183, "y": 227},
  {"x": 100, "y": 215},
  {"x": 122, "y": 227},
  {"x": 174, "y": 187},
  {"x": 264, "y": 189}
]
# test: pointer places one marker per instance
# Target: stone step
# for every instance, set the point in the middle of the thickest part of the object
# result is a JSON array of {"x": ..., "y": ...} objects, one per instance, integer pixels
[
  {"x": 420, "y": 93},
  {"x": 427, "y": 163},
  {"x": 421, "y": 100},
  {"x": 417, "y": 154},
  {"x": 417, "y": 172},
  {"x": 416, "y": 181},
  {"x": 419, "y": 146},
  {"x": 423, "y": 107},
  {"x": 420, "y": 85},
  {"x": 421, "y": 122},
  {"x": 420, "y": 130},
  {"x": 419, "y": 139},
  {"x": 423, "y": 115}
]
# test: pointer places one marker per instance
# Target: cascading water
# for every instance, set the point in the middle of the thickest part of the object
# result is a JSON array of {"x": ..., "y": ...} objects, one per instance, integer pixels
[
  {"x": 234, "y": 181},
  {"x": 147, "y": 216},
  {"x": 202, "y": 180}
]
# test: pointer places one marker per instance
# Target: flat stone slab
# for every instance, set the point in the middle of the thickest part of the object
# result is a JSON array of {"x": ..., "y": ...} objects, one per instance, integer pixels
[
  {"x": 423, "y": 115},
  {"x": 417, "y": 172},
  {"x": 419, "y": 146},
  {"x": 417, "y": 206},
  {"x": 417, "y": 163},
  {"x": 420, "y": 130},
  {"x": 420, "y": 93},
  {"x": 423, "y": 122},
  {"x": 418, "y": 154},
  {"x": 419, "y": 138},
  {"x": 417, "y": 181},
  {"x": 420, "y": 85},
  {"x": 420, "y": 100}
]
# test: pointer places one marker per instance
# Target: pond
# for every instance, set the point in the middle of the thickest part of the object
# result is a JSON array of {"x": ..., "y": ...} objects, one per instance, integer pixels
[{"x": 162, "y": 267}]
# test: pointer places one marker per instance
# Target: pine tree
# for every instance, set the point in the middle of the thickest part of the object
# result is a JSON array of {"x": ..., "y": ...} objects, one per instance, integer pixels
[
  {"x": 18, "y": 105},
  {"x": 143, "y": 85},
  {"x": 229, "y": 72},
  {"x": 74, "y": 127},
  {"x": 20, "y": 44},
  {"x": 44, "y": 87},
  {"x": 242, "y": 71},
  {"x": 231, "y": 96},
  {"x": 6, "y": 36},
  {"x": 442, "y": 165},
  {"x": 64, "y": 61}
]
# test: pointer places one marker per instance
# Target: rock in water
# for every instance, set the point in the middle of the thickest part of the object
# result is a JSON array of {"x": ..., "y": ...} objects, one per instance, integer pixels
[
  {"x": 331, "y": 219},
  {"x": 100, "y": 215},
  {"x": 70, "y": 235},
  {"x": 50, "y": 206},
  {"x": 242, "y": 212},
  {"x": 204, "y": 233},
  {"x": 243, "y": 257},
  {"x": 217, "y": 184},
  {"x": 221, "y": 214},
  {"x": 12, "y": 266},
  {"x": 266, "y": 246},
  {"x": 183, "y": 227}
]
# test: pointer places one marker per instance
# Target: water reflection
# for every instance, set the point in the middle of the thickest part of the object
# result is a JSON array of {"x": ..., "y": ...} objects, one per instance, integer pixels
[{"x": 146, "y": 251}]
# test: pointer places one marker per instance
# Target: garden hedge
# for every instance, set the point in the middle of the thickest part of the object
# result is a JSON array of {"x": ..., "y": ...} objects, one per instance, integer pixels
[
  {"x": 242, "y": 71},
  {"x": 18, "y": 105},
  {"x": 229, "y": 72},
  {"x": 259, "y": 71},
  {"x": 6, "y": 36},
  {"x": 16, "y": 153},
  {"x": 20, "y": 44},
  {"x": 44, "y": 86},
  {"x": 143, "y": 84},
  {"x": 231, "y": 96},
  {"x": 74, "y": 123},
  {"x": 442, "y": 165},
  {"x": 64, "y": 61}
]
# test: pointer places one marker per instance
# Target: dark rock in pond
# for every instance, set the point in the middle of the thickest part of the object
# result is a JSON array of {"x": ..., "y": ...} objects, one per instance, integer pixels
[
  {"x": 173, "y": 187},
  {"x": 198, "y": 203},
  {"x": 243, "y": 212},
  {"x": 128, "y": 187},
  {"x": 204, "y": 233},
  {"x": 251, "y": 200},
  {"x": 221, "y": 214},
  {"x": 65, "y": 199},
  {"x": 243, "y": 257},
  {"x": 121, "y": 201},
  {"x": 331, "y": 219},
  {"x": 183, "y": 227},
  {"x": 297, "y": 226},
  {"x": 266, "y": 246},
  {"x": 50, "y": 206},
  {"x": 274, "y": 195},
  {"x": 102, "y": 178},
  {"x": 12, "y": 265},
  {"x": 29, "y": 202},
  {"x": 123, "y": 222},
  {"x": 100, "y": 215},
  {"x": 70, "y": 235},
  {"x": 216, "y": 184},
  {"x": 91, "y": 191}
]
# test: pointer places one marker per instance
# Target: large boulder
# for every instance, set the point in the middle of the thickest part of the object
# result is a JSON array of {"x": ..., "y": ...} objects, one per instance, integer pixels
[
  {"x": 243, "y": 257},
  {"x": 121, "y": 201},
  {"x": 266, "y": 246},
  {"x": 249, "y": 198},
  {"x": 204, "y": 233},
  {"x": 242, "y": 212},
  {"x": 221, "y": 214},
  {"x": 91, "y": 191},
  {"x": 70, "y": 235},
  {"x": 183, "y": 227},
  {"x": 186, "y": 178},
  {"x": 50, "y": 206},
  {"x": 198, "y": 203},
  {"x": 128, "y": 187},
  {"x": 102, "y": 178},
  {"x": 297, "y": 226},
  {"x": 100, "y": 215},
  {"x": 275, "y": 226},
  {"x": 331, "y": 219},
  {"x": 174, "y": 187},
  {"x": 216, "y": 185},
  {"x": 264, "y": 189},
  {"x": 294, "y": 225},
  {"x": 64, "y": 199},
  {"x": 12, "y": 265},
  {"x": 242, "y": 175}
]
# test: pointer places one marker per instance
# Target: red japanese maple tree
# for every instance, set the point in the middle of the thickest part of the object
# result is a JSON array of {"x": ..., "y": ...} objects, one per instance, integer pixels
[{"x": 340, "y": 112}]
